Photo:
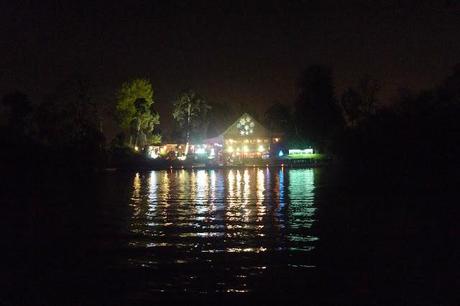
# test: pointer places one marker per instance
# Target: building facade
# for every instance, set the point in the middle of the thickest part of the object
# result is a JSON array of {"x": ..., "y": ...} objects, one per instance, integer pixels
[{"x": 244, "y": 139}]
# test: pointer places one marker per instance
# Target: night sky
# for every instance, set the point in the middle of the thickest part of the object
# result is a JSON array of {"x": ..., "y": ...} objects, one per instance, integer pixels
[{"x": 233, "y": 52}]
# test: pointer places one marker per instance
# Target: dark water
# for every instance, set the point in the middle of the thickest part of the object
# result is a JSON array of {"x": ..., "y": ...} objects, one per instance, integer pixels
[
  {"x": 222, "y": 231},
  {"x": 276, "y": 234}
]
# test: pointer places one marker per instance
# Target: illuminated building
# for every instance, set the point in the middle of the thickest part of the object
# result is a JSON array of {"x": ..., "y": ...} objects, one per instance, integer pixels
[{"x": 245, "y": 139}]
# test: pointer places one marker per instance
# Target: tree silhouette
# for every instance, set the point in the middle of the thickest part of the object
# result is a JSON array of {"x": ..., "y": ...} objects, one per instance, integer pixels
[
  {"x": 190, "y": 110},
  {"x": 278, "y": 118},
  {"x": 317, "y": 112}
]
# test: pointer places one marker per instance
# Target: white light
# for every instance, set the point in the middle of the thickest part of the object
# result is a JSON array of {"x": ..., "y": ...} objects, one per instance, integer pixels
[
  {"x": 261, "y": 148},
  {"x": 230, "y": 149},
  {"x": 245, "y": 149},
  {"x": 200, "y": 151},
  {"x": 136, "y": 148},
  {"x": 297, "y": 151},
  {"x": 152, "y": 153},
  {"x": 212, "y": 154}
]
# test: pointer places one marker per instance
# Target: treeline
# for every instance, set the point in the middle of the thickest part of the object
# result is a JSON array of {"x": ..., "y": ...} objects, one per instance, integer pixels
[
  {"x": 415, "y": 137},
  {"x": 64, "y": 129},
  {"x": 417, "y": 133}
]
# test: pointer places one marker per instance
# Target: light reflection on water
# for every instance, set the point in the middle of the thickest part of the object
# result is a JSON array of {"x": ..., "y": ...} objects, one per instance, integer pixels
[{"x": 224, "y": 228}]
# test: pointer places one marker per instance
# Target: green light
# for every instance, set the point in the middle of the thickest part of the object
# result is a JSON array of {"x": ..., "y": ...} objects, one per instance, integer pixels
[{"x": 297, "y": 151}]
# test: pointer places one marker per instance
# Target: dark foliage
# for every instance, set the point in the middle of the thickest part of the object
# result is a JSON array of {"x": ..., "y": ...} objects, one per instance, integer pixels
[
  {"x": 278, "y": 118},
  {"x": 317, "y": 113},
  {"x": 415, "y": 141},
  {"x": 61, "y": 132}
]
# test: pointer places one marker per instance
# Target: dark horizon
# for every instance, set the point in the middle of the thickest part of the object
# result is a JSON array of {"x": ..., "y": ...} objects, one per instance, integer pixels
[{"x": 231, "y": 53}]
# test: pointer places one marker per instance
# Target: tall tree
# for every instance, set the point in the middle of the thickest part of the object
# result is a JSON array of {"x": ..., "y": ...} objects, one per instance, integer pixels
[
  {"x": 351, "y": 103},
  {"x": 67, "y": 121},
  {"x": 359, "y": 104},
  {"x": 368, "y": 89},
  {"x": 317, "y": 113},
  {"x": 135, "y": 112},
  {"x": 278, "y": 118},
  {"x": 190, "y": 110}
]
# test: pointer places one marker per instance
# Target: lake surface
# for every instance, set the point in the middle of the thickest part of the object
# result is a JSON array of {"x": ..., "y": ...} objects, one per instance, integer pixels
[
  {"x": 282, "y": 234},
  {"x": 222, "y": 231}
]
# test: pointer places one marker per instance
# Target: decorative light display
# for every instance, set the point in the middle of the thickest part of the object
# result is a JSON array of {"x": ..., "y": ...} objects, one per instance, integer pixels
[{"x": 245, "y": 126}]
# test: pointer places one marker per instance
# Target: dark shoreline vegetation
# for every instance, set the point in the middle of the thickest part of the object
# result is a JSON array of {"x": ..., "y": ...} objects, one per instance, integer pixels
[{"x": 415, "y": 139}]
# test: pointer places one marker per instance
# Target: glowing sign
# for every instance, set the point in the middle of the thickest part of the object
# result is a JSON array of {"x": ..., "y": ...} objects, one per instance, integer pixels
[{"x": 299, "y": 152}]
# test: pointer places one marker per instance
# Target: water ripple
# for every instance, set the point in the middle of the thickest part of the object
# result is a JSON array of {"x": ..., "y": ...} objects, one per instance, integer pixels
[{"x": 223, "y": 223}]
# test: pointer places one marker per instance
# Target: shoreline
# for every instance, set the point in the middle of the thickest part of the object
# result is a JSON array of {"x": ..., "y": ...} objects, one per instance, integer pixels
[{"x": 178, "y": 165}]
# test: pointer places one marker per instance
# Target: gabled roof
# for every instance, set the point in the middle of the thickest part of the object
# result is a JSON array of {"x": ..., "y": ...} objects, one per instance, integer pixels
[{"x": 245, "y": 126}]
